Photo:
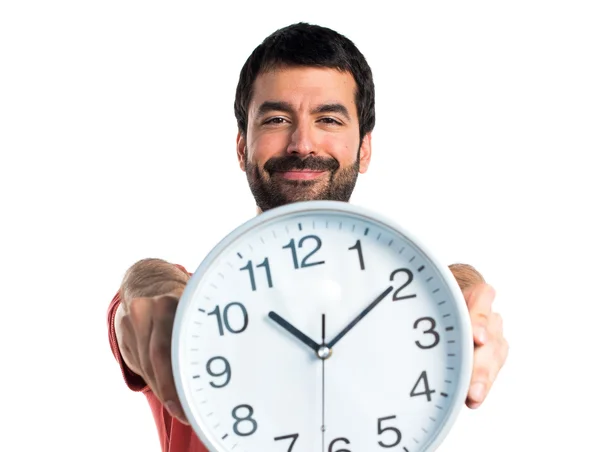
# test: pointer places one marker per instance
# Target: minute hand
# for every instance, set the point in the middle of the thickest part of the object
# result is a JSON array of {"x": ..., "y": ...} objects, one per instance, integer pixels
[{"x": 360, "y": 316}]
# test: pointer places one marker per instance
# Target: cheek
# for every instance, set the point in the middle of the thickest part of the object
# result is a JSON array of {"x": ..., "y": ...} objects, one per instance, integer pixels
[
  {"x": 343, "y": 150},
  {"x": 265, "y": 146}
]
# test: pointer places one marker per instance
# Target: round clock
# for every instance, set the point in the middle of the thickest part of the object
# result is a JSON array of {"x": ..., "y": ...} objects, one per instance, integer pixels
[{"x": 321, "y": 326}]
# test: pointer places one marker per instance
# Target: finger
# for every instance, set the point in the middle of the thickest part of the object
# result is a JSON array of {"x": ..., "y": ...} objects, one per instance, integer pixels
[
  {"x": 141, "y": 322},
  {"x": 479, "y": 301},
  {"x": 487, "y": 361},
  {"x": 501, "y": 345},
  {"x": 495, "y": 326},
  {"x": 160, "y": 352},
  {"x": 130, "y": 349}
]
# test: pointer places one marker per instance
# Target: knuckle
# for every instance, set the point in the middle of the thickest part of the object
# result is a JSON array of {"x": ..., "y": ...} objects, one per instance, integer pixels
[
  {"x": 137, "y": 309},
  {"x": 480, "y": 318},
  {"x": 484, "y": 293}
]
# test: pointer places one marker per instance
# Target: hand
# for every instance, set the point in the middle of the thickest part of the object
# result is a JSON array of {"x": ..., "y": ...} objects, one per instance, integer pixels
[
  {"x": 360, "y": 316},
  {"x": 491, "y": 348},
  {"x": 295, "y": 331},
  {"x": 323, "y": 385},
  {"x": 146, "y": 325}
]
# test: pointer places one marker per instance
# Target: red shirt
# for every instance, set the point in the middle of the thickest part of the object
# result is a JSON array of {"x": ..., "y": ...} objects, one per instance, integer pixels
[{"x": 173, "y": 435}]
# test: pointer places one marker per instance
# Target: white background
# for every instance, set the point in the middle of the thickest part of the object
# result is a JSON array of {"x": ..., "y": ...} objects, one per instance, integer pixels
[{"x": 117, "y": 140}]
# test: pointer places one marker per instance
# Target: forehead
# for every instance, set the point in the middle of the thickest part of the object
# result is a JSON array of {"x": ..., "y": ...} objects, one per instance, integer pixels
[{"x": 304, "y": 87}]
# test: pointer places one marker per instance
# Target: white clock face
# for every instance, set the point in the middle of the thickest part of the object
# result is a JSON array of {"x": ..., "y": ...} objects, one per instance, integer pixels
[{"x": 268, "y": 354}]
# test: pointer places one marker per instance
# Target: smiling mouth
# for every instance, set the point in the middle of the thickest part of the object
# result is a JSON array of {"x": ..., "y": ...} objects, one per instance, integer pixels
[{"x": 300, "y": 174}]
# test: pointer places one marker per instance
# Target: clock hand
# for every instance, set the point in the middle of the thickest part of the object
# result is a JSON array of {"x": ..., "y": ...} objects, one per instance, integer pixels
[
  {"x": 295, "y": 331},
  {"x": 360, "y": 316},
  {"x": 323, "y": 385}
]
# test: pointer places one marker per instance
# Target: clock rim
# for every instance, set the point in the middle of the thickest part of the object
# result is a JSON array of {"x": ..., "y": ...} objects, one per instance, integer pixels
[{"x": 209, "y": 440}]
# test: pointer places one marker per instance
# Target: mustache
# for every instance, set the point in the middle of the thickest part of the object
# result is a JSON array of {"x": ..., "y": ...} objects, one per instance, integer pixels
[{"x": 290, "y": 163}]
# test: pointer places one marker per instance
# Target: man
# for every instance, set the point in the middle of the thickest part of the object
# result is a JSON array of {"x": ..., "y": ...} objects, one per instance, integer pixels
[{"x": 305, "y": 110}]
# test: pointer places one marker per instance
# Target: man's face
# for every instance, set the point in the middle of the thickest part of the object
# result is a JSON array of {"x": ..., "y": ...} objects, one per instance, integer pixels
[{"x": 303, "y": 140}]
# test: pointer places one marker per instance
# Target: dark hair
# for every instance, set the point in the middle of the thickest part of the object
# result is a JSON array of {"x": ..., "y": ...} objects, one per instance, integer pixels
[{"x": 305, "y": 44}]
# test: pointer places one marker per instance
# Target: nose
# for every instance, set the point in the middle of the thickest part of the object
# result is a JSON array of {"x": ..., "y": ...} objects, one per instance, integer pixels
[{"x": 301, "y": 141}]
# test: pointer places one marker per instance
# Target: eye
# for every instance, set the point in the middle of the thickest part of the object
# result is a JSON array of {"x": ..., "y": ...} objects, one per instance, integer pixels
[
  {"x": 275, "y": 120},
  {"x": 329, "y": 120}
]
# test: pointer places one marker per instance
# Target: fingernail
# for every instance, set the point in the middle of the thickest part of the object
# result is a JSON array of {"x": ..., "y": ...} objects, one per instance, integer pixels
[
  {"x": 477, "y": 392},
  {"x": 481, "y": 334},
  {"x": 174, "y": 410}
]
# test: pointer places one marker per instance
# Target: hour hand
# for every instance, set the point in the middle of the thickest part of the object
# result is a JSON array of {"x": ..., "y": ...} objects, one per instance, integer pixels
[{"x": 295, "y": 331}]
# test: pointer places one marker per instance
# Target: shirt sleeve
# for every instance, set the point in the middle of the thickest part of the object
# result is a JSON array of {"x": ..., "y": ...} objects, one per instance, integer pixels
[{"x": 132, "y": 380}]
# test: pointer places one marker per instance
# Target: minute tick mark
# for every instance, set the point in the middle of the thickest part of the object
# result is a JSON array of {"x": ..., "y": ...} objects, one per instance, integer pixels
[
  {"x": 421, "y": 268},
  {"x": 240, "y": 256}
]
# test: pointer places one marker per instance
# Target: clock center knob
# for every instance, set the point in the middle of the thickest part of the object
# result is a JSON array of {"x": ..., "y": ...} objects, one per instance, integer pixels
[{"x": 324, "y": 352}]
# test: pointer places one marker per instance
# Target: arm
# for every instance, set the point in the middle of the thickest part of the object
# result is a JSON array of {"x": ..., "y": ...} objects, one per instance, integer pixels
[
  {"x": 491, "y": 348},
  {"x": 143, "y": 324}
]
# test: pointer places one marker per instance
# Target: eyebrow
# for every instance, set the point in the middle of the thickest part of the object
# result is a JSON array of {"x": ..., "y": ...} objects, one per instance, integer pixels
[{"x": 286, "y": 107}]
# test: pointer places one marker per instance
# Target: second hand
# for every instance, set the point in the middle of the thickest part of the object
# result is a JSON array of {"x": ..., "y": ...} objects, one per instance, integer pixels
[{"x": 323, "y": 385}]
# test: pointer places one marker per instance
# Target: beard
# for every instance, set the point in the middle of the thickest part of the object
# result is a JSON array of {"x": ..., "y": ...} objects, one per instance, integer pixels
[{"x": 270, "y": 192}]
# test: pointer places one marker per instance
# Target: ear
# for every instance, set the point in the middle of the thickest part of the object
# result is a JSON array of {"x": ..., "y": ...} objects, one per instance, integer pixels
[
  {"x": 365, "y": 153},
  {"x": 241, "y": 150}
]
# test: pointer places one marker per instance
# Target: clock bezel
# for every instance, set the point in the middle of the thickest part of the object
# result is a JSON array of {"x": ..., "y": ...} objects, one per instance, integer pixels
[{"x": 334, "y": 207}]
